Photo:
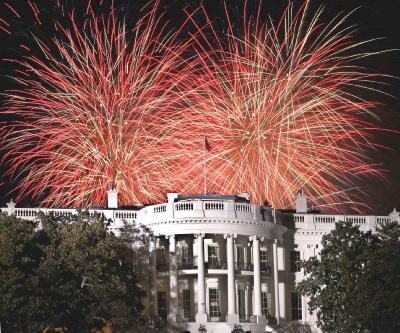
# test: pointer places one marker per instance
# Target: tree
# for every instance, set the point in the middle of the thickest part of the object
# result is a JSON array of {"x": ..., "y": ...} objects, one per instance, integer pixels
[
  {"x": 70, "y": 273},
  {"x": 354, "y": 287},
  {"x": 20, "y": 256},
  {"x": 381, "y": 302}
]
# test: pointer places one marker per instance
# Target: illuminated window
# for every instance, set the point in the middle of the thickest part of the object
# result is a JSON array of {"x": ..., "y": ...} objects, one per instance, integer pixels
[
  {"x": 264, "y": 260},
  {"x": 240, "y": 257},
  {"x": 265, "y": 301},
  {"x": 214, "y": 302},
  {"x": 213, "y": 257}
]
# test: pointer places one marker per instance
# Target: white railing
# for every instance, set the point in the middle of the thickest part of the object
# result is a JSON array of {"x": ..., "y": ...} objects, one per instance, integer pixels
[
  {"x": 312, "y": 221},
  {"x": 214, "y": 205},
  {"x": 125, "y": 214},
  {"x": 160, "y": 208},
  {"x": 243, "y": 207},
  {"x": 382, "y": 219},
  {"x": 26, "y": 212},
  {"x": 184, "y": 206},
  {"x": 325, "y": 218},
  {"x": 356, "y": 219},
  {"x": 298, "y": 218},
  {"x": 60, "y": 212}
]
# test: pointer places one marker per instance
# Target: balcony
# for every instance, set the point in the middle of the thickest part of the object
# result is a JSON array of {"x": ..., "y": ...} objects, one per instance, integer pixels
[
  {"x": 187, "y": 263},
  {"x": 266, "y": 270},
  {"x": 241, "y": 266},
  {"x": 216, "y": 264}
]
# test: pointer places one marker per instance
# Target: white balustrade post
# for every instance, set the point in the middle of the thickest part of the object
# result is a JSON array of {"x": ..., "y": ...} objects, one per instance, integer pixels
[
  {"x": 173, "y": 280},
  {"x": 257, "y": 311},
  {"x": 232, "y": 317},
  {"x": 201, "y": 316}
]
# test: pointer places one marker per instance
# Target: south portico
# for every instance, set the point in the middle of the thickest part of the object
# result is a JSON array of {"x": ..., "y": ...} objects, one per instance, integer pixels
[
  {"x": 219, "y": 271},
  {"x": 230, "y": 281}
]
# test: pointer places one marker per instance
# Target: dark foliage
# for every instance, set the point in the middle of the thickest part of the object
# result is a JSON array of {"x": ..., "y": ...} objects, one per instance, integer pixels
[
  {"x": 69, "y": 273},
  {"x": 355, "y": 286}
]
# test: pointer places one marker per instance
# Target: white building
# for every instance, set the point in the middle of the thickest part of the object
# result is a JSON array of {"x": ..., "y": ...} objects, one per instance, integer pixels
[{"x": 219, "y": 261}]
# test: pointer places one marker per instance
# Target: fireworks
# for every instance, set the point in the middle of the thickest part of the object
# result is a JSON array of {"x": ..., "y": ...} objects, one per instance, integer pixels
[
  {"x": 107, "y": 106},
  {"x": 95, "y": 106},
  {"x": 278, "y": 105}
]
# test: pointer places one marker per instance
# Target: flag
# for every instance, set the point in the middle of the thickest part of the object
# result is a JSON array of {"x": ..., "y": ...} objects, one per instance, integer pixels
[{"x": 207, "y": 146}]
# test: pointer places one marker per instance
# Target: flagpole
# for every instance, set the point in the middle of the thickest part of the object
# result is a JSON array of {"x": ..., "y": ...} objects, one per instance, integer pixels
[{"x": 205, "y": 165}]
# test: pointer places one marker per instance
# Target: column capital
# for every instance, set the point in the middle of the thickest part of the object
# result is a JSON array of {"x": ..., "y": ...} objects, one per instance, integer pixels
[
  {"x": 169, "y": 236},
  {"x": 253, "y": 238},
  {"x": 230, "y": 236},
  {"x": 199, "y": 235}
]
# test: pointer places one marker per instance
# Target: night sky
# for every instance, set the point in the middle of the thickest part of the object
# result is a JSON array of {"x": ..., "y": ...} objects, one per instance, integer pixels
[{"x": 373, "y": 18}]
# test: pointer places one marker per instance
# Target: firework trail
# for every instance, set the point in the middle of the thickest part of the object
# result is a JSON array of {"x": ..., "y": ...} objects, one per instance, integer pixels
[
  {"x": 281, "y": 105},
  {"x": 94, "y": 109}
]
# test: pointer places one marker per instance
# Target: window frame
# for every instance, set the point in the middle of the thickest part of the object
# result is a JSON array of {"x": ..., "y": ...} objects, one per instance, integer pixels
[
  {"x": 214, "y": 296},
  {"x": 296, "y": 303}
]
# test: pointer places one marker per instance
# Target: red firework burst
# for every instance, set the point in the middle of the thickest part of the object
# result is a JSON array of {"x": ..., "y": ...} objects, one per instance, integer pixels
[
  {"x": 279, "y": 103},
  {"x": 94, "y": 110},
  {"x": 281, "y": 108}
]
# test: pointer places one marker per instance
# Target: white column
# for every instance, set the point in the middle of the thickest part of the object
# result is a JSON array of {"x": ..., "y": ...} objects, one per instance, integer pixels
[
  {"x": 173, "y": 280},
  {"x": 246, "y": 302},
  {"x": 276, "y": 281},
  {"x": 237, "y": 297},
  {"x": 257, "y": 311},
  {"x": 232, "y": 316},
  {"x": 201, "y": 316},
  {"x": 153, "y": 272}
]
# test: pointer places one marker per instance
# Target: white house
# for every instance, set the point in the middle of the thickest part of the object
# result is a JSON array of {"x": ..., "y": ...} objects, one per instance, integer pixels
[{"x": 219, "y": 262}]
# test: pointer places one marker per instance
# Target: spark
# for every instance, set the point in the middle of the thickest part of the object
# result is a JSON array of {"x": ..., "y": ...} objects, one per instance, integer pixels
[
  {"x": 95, "y": 111},
  {"x": 277, "y": 103}
]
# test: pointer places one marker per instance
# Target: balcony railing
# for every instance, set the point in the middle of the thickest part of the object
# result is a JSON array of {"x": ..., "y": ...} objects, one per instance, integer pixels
[
  {"x": 187, "y": 264},
  {"x": 266, "y": 270},
  {"x": 216, "y": 264},
  {"x": 221, "y": 317},
  {"x": 241, "y": 266}
]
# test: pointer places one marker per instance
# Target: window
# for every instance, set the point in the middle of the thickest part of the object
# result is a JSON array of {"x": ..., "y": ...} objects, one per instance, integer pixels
[
  {"x": 214, "y": 302},
  {"x": 160, "y": 255},
  {"x": 242, "y": 306},
  {"x": 264, "y": 260},
  {"x": 240, "y": 257},
  {"x": 162, "y": 304},
  {"x": 213, "y": 256},
  {"x": 183, "y": 254},
  {"x": 265, "y": 303},
  {"x": 161, "y": 262},
  {"x": 295, "y": 261},
  {"x": 296, "y": 306},
  {"x": 186, "y": 303}
]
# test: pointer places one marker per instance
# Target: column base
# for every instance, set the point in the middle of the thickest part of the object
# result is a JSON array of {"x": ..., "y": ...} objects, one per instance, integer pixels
[
  {"x": 201, "y": 318},
  {"x": 172, "y": 318},
  {"x": 260, "y": 320},
  {"x": 232, "y": 318}
]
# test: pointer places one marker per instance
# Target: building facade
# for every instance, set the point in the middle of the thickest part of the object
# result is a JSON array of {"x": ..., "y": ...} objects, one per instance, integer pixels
[{"x": 219, "y": 262}]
